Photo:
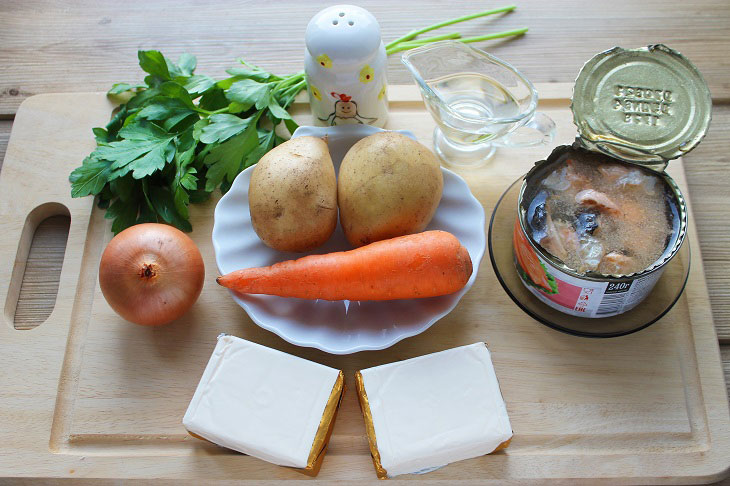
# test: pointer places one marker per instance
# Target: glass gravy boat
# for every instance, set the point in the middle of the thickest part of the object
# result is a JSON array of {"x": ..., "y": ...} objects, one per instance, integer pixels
[{"x": 479, "y": 102}]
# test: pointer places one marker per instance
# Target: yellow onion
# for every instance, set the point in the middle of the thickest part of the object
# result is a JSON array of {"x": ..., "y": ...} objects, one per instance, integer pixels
[{"x": 151, "y": 274}]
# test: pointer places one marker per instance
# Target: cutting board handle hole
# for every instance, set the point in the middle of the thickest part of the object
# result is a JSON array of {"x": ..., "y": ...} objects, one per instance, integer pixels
[{"x": 37, "y": 270}]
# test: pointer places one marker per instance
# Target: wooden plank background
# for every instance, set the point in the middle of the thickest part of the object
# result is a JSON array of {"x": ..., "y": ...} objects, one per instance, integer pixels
[{"x": 87, "y": 45}]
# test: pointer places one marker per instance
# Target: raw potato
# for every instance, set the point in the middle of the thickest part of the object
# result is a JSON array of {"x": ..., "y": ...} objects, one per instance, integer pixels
[
  {"x": 292, "y": 195},
  {"x": 389, "y": 185}
]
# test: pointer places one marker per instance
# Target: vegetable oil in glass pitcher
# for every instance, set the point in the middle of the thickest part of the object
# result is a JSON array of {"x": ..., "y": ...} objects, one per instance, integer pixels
[
  {"x": 472, "y": 96},
  {"x": 478, "y": 101}
]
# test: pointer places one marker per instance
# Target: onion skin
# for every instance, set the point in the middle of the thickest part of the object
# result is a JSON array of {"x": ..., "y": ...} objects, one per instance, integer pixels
[{"x": 151, "y": 274}]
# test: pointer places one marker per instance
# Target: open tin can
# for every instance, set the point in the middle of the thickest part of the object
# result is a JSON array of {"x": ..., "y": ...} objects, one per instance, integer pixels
[{"x": 635, "y": 109}]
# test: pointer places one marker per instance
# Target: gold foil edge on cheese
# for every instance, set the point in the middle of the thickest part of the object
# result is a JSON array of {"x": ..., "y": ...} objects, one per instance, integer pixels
[
  {"x": 326, "y": 424},
  {"x": 503, "y": 445},
  {"x": 362, "y": 397}
]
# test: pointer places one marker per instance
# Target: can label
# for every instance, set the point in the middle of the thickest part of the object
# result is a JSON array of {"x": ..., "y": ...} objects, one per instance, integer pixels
[{"x": 573, "y": 295}]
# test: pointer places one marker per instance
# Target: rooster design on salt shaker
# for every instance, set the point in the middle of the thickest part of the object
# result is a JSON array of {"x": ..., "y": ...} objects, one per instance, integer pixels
[{"x": 345, "y": 64}]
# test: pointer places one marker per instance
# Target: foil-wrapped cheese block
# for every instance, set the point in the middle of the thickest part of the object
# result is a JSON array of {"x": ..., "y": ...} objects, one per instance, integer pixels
[
  {"x": 426, "y": 412},
  {"x": 266, "y": 403}
]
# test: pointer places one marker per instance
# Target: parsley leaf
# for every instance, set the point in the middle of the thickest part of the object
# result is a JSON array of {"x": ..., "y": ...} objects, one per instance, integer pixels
[
  {"x": 164, "y": 206},
  {"x": 255, "y": 73},
  {"x": 124, "y": 188},
  {"x": 90, "y": 178},
  {"x": 222, "y": 127},
  {"x": 266, "y": 143},
  {"x": 119, "y": 88},
  {"x": 144, "y": 150},
  {"x": 100, "y": 135},
  {"x": 170, "y": 110},
  {"x": 187, "y": 64},
  {"x": 200, "y": 83},
  {"x": 278, "y": 111},
  {"x": 213, "y": 99},
  {"x": 164, "y": 109},
  {"x": 250, "y": 93},
  {"x": 154, "y": 62},
  {"x": 173, "y": 90},
  {"x": 185, "y": 179},
  {"x": 225, "y": 161},
  {"x": 123, "y": 214}
]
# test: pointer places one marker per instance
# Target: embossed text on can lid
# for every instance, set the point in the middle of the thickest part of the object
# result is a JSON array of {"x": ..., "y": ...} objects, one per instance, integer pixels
[{"x": 646, "y": 106}]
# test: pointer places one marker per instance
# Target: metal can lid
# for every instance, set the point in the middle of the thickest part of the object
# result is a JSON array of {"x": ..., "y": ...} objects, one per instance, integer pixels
[{"x": 645, "y": 106}]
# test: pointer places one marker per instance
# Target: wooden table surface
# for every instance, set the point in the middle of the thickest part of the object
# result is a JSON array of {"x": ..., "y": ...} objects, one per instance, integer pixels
[{"x": 87, "y": 45}]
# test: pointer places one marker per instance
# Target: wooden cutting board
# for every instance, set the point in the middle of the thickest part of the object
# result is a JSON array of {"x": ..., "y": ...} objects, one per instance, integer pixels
[{"x": 88, "y": 395}]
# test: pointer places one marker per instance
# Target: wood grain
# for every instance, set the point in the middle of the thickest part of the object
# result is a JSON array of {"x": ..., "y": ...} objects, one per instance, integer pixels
[
  {"x": 123, "y": 388},
  {"x": 87, "y": 45},
  {"x": 5, "y": 127},
  {"x": 708, "y": 175},
  {"x": 709, "y": 182},
  {"x": 42, "y": 273},
  {"x": 725, "y": 353}
]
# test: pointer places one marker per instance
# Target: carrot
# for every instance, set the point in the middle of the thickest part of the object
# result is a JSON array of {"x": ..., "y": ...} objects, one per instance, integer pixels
[{"x": 420, "y": 265}]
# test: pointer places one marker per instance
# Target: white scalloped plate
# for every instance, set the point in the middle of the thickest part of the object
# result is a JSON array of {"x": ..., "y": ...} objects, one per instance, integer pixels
[{"x": 341, "y": 327}]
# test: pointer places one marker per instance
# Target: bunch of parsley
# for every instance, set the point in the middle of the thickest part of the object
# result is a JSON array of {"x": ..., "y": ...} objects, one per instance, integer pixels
[{"x": 179, "y": 137}]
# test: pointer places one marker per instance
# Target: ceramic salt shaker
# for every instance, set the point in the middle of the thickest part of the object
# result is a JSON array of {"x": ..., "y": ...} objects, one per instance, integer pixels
[{"x": 345, "y": 63}]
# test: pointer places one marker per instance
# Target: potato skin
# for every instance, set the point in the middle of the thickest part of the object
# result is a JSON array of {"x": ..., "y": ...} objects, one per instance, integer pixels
[
  {"x": 388, "y": 185},
  {"x": 292, "y": 195}
]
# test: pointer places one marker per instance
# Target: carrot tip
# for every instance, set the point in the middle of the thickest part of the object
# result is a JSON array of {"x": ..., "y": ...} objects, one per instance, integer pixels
[{"x": 218, "y": 280}]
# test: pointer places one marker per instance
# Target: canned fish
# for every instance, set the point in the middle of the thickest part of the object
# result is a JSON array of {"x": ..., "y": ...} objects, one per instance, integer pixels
[
  {"x": 599, "y": 220},
  {"x": 594, "y": 234}
]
